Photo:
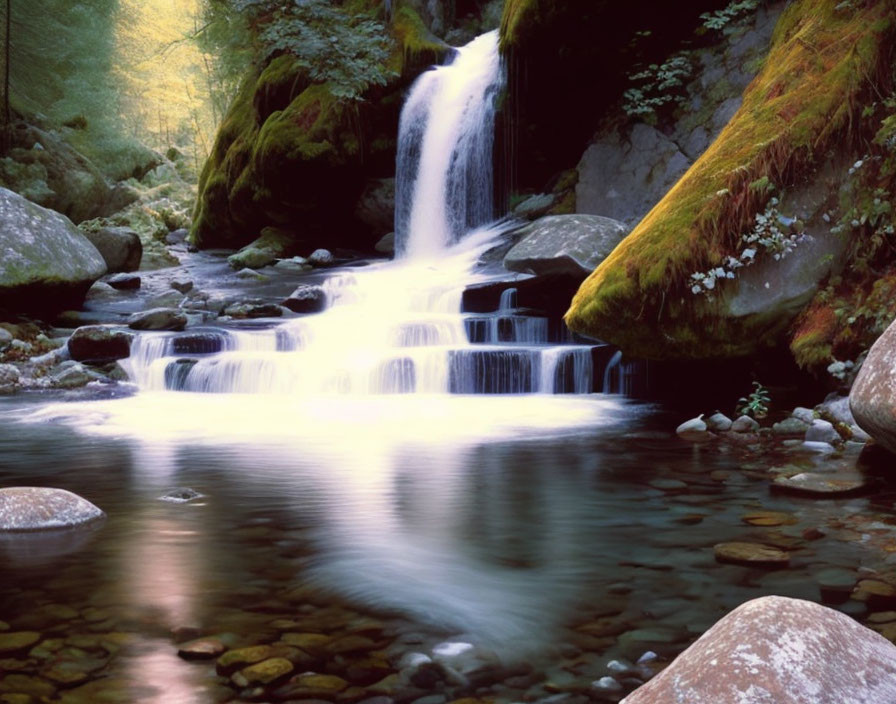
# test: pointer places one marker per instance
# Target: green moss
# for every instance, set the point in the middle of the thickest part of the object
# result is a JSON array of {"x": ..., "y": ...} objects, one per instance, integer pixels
[
  {"x": 416, "y": 45},
  {"x": 804, "y": 100},
  {"x": 518, "y": 16}
]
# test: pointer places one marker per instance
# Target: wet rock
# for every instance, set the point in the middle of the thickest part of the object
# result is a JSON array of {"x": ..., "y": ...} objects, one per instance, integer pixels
[
  {"x": 99, "y": 343},
  {"x": 750, "y": 554},
  {"x": 10, "y": 378},
  {"x": 6, "y": 339},
  {"x": 72, "y": 375},
  {"x": 694, "y": 430},
  {"x": 27, "y": 685},
  {"x": 571, "y": 245},
  {"x": 877, "y": 593},
  {"x": 273, "y": 244},
  {"x": 176, "y": 237},
  {"x": 321, "y": 257},
  {"x": 239, "y": 658},
  {"x": 314, "y": 643},
  {"x": 312, "y": 685},
  {"x": 821, "y": 485},
  {"x": 124, "y": 282},
  {"x": 386, "y": 244},
  {"x": 835, "y": 585},
  {"x": 719, "y": 422},
  {"x": 822, "y": 431},
  {"x": 264, "y": 672},
  {"x": 351, "y": 644},
  {"x": 120, "y": 247},
  {"x": 836, "y": 408},
  {"x": 158, "y": 319},
  {"x": 294, "y": 264},
  {"x": 306, "y": 299},
  {"x": 26, "y": 508},
  {"x": 250, "y": 274},
  {"x": 669, "y": 485},
  {"x": 790, "y": 426},
  {"x": 182, "y": 284},
  {"x": 254, "y": 310},
  {"x": 181, "y": 495},
  {"x": 775, "y": 649},
  {"x": 606, "y": 684},
  {"x": 769, "y": 518},
  {"x": 807, "y": 415},
  {"x": 14, "y": 642}
]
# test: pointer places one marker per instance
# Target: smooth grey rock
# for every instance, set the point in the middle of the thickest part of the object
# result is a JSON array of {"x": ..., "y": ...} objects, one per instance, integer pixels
[
  {"x": 181, "y": 495},
  {"x": 320, "y": 257},
  {"x": 46, "y": 263},
  {"x": 178, "y": 236},
  {"x": 72, "y": 376},
  {"x": 622, "y": 176},
  {"x": 807, "y": 415},
  {"x": 158, "y": 319},
  {"x": 773, "y": 650},
  {"x": 27, "y": 508},
  {"x": 838, "y": 408},
  {"x": 822, "y": 431},
  {"x": 120, "y": 247},
  {"x": 5, "y": 338},
  {"x": 250, "y": 274},
  {"x": 694, "y": 430},
  {"x": 790, "y": 426},
  {"x": 564, "y": 244},
  {"x": 293, "y": 264},
  {"x": 182, "y": 284},
  {"x": 745, "y": 424},
  {"x": 719, "y": 422},
  {"x": 124, "y": 281},
  {"x": 535, "y": 206},
  {"x": 606, "y": 684}
]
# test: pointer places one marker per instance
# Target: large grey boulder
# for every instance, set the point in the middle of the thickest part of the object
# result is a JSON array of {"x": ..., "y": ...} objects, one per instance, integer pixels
[
  {"x": 46, "y": 263},
  {"x": 872, "y": 398},
  {"x": 27, "y": 508},
  {"x": 773, "y": 650},
  {"x": 120, "y": 246},
  {"x": 572, "y": 245}
]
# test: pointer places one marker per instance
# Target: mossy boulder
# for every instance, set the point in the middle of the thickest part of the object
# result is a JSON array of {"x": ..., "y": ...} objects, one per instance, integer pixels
[
  {"x": 273, "y": 244},
  {"x": 46, "y": 263},
  {"x": 293, "y": 154},
  {"x": 825, "y": 58}
]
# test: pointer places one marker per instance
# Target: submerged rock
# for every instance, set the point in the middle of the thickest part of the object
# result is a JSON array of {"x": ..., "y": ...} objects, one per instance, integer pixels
[
  {"x": 565, "y": 244},
  {"x": 46, "y": 263},
  {"x": 775, "y": 649},
  {"x": 181, "y": 495},
  {"x": 27, "y": 508},
  {"x": 751, "y": 554}
]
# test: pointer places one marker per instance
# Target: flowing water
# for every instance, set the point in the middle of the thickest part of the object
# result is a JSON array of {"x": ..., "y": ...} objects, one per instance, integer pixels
[{"x": 453, "y": 475}]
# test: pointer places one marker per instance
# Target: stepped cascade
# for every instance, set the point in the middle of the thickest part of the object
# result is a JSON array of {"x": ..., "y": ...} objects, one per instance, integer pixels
[{"x": 399, "y": 327}]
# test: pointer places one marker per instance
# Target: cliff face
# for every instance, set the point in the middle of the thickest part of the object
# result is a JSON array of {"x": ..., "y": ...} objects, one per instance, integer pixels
[{"x": 737, "y": 247}]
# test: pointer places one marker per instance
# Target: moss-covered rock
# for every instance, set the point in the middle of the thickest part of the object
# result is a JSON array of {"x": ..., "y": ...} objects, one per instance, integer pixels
[
  {"x": 292, "y": 154},
  {"x": 824, "y": 60}
]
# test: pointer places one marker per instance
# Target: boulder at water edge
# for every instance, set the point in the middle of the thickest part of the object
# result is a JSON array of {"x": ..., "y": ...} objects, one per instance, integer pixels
[
  {"x": 565, "y": 244},
  {"x": 872, "y": 398},
  {"x": 120, "y": 246},
  {"x": 46, "y": 263},
  {"x": 774, "y": 650},
  {"x": 28, "y": 508}
]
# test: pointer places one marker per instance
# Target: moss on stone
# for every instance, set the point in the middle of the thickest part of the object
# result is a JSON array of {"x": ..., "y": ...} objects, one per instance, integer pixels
[{"x": 821, "y": 61}]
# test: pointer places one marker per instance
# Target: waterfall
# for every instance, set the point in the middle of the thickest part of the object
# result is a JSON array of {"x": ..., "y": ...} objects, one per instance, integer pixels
[
  {"x": 444, "y": 179},
  {"x": 399, "y": 327}
]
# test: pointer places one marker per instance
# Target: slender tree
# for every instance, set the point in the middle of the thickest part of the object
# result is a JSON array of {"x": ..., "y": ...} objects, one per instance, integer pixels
[{"x": 5, "y": 141}]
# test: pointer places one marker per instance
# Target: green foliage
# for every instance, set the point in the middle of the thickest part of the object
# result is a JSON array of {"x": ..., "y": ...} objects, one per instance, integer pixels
[
  {"x": 755, "y": 404},
  {"x": 349, "y": 50},
  {"x": 657, "y": 86},
  {"x": 721, "y": 19}
]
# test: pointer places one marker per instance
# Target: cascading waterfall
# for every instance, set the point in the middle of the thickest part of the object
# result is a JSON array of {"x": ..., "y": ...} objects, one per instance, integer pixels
[{"x": 398, "y": 327}]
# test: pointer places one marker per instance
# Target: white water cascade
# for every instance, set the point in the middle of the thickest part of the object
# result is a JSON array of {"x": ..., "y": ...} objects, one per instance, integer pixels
[{"x": 398, "y": 327}]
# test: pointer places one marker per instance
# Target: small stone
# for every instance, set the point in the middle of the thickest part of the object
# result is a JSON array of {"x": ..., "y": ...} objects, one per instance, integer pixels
[
  {"x": 669, "y": 485},
  {"x": 751, "y": 554},
  {"x": 315, "y": 685},
  {"x": 201, "y": 649},
  {"x": 321, "y": 257},
  {"x": 694, "y": 430},
  {"x": 241, "y": 657},
  {"x": 266, "y": 671},
  {"x": 745, "y": 424},
  {"x": 99, "y": 343},
  {"x": 812, "y": 484},
  {"x": 6, "y": 338},
  {"x": 124, "y": 282},
  {"x": 822, "y": 431},
  {"x": 790, "y": 426},
  {"x": 607, "y": 684},
  {"x": 807, "y": 415},
  {"x": 181, "y": 495},
  {"x": 314, "y": 643},
  {"x": 877, "y": 593},
  {"x": 250, "y": 274},
  {"x": 182, "y": 284},
  {"x": 769, "y": 518},
  {"x": 719, "y": 422},
  {"x": 12, "y": 642},
  {"x": 306, "y": 299},
  {"x": 158, "y": 319},
  {"x": 351, "y": 644},
  {"x": 835, "y": 585},
  {"x": 648, "y": 656}
]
